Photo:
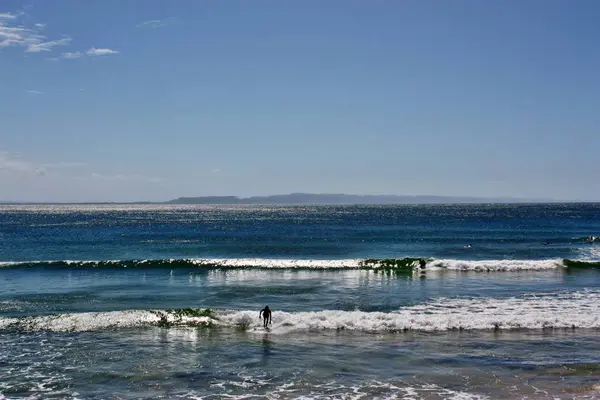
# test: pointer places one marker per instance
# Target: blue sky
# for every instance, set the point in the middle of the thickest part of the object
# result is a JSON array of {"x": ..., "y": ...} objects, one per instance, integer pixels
[{"x": 106, "y": 100}]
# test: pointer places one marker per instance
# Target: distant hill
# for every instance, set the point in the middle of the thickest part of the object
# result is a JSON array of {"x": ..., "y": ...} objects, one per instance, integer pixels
[{"x": 307, "y": 198}]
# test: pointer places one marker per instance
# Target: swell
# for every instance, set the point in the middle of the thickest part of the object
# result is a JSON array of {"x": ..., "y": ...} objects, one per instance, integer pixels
[
  {"x": 567, "y": 310},
  {"x": 407, "y": 264}
]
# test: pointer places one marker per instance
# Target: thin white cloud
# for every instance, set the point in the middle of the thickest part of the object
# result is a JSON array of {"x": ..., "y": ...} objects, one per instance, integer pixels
[
  {"x": 127, "y": 177},
  {"x": 214, "y": 171},
  {"x": 93, "y": 52},
  {"x": 157, "y": 23},
  {"x": 15, "y": 163},
  {"x": 18, "y": 36},
  {"x": 71, "y": 56},
  {"x": 34, "y": 92},
  {"x": 14, "y": 32},
  {"x": 100, "y": 52},
  {"x": 47, "y": 46},
  {"x": 61, "y": 165}
]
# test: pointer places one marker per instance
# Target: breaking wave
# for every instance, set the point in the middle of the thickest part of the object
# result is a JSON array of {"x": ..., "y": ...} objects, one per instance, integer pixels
[
  {"x": 408, "y": 264},
  {"x": 568, "y": 310}
]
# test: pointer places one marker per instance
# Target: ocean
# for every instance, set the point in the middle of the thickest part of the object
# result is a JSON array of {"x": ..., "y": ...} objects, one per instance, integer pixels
[{"x": 369, "y": 302}]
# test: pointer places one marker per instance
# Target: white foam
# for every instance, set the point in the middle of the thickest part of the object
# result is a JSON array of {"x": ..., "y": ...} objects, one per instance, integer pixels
[
  {"x": 68, "y": 262},
  {"x": 278, "y": 263},
  {"x": 567, "y": 310},
  {"x": 334, "y": 390},
  {"x": 7, "y": 263},
  {"x": 91, "y": 321},
  {"x": 433, "y": 265},
  {"x": 494, "y": 265},
  {"x": 271, "y": 263},
  {"x": 559, "y": 311},
  {"x": 384, "y": 390}
]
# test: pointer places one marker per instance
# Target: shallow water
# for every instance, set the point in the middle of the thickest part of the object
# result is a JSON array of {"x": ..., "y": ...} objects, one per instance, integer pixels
[
  {"x": 37, "y": 291},
  {"x": 199, "y": 363}
]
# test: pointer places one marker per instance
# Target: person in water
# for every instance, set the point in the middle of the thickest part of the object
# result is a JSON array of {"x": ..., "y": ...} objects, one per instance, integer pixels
[{"x": 265, "y": 313}]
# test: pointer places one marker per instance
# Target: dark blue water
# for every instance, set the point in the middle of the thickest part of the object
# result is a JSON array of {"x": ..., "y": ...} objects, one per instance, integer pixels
[
  {"x": 322, "y": 232},
  {"x": 505, "y": 305}
]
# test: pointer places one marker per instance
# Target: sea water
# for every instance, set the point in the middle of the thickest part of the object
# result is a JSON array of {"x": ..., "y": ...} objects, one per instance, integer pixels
[{"x": 162, "y": 301}]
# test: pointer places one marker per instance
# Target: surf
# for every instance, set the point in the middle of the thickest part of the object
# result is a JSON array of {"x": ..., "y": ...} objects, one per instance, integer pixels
[
  {"x": 398, "y": 265},
  {"x": 567, "y": 310}
]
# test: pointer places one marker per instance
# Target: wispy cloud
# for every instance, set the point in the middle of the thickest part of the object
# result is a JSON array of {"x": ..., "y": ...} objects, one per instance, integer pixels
[
  {"x": 93, "y": 52},
  {"x": 61, "y": 165},
  {"x": 47, "y": 46},
  {"x": 71, "y": 56},
  {"x": 127, "y": 177},
  {"x": 16, "y": 163},
  {"x": 34, "y": 92},
  {"x": 157, "y": 23},
  {"x": 18, "y": 36},
  {"x": 100, "y": 52},
  {"x": 16, "y": 32},
  {"x": 216, "y": 170}
]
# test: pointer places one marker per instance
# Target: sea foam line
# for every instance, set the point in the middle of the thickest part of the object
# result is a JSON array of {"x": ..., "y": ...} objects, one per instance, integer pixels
[
  {"x": 396, "y": 264},
  {"x": 494, "y": 265},
  {"x": 545, "y": 311},
  {"x": 273, "y": 263},
  {"x": 92, "y": 321},
  {"x": 567, "y": 310}
]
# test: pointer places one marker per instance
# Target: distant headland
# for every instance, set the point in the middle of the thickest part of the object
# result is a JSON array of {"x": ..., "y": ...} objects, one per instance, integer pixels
[
  {"x": 320, "y": 199},
  {"x": 308, "y": 198}
]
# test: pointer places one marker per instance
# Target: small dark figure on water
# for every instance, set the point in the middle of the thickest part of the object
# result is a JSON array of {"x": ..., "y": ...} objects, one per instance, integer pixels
[{"x": 265, "y": 313}]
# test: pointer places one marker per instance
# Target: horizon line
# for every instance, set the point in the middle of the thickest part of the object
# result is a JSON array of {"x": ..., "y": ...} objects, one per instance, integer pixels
[{"x": 439, "y": 199}]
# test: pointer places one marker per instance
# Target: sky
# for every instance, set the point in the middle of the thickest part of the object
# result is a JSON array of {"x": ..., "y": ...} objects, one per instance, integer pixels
[{"x": 149, "y": 100}]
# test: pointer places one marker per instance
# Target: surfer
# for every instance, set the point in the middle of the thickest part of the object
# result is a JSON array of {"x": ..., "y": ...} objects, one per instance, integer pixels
[{"x": 265, "y": 313}]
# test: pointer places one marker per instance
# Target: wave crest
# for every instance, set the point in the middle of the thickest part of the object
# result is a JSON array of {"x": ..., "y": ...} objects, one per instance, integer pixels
[
  {"x": 567, "y": 310},
  {"x": 407, "y": 264}
]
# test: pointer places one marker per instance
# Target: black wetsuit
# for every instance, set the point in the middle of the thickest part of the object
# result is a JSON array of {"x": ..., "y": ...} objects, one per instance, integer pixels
[{"x": 265, "y": 313}]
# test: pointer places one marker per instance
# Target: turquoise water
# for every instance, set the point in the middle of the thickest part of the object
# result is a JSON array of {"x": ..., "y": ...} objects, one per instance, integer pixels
[{"x": 505, "y": 303}]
